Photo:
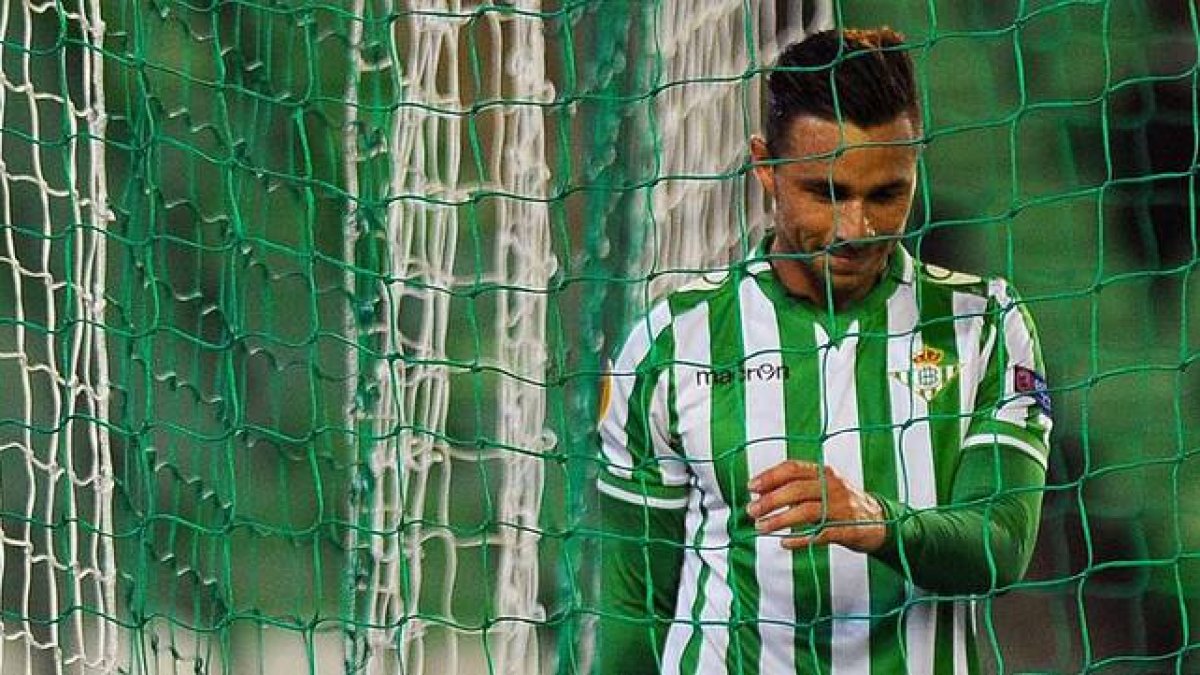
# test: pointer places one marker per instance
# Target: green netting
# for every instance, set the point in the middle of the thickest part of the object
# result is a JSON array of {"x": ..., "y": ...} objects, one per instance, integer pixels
[{"x": 303, "y": 306}]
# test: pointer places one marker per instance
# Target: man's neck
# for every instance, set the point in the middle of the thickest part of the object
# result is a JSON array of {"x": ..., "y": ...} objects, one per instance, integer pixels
[{"x": 799, "y": 280}]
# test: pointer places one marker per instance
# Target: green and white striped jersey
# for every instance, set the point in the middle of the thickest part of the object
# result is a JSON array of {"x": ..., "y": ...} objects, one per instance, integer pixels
[{"x": 732, "y": 375}]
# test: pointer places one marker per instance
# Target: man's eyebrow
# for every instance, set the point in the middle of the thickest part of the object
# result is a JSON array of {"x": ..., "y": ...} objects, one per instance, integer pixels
[
  {"x": 892, "y": 186},
  {"x": 824, "y": 185}
]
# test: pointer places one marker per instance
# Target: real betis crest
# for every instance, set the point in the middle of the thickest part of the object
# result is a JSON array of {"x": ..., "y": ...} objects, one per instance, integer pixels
[{"x": 928, "y": 376}]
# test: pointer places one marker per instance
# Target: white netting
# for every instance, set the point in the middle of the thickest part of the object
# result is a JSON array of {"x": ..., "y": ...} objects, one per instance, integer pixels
[
  {"x": 412, "y": 606},
  {"x": 57, "y": 570},
  {"x": 524, "y": 264},
  {"x": 403, "y": 419}
]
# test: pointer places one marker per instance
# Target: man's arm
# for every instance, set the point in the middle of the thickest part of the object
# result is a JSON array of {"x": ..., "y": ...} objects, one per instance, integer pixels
[
  {"x": 643, "y": 484},
  {"x": 984, "y": 539},
  {"x": 640, "y": 560}
]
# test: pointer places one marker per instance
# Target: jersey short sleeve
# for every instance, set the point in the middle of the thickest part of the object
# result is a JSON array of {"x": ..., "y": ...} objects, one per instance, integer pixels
[
  {"x": 639, "y": 461},
  {"x": 1013, "y": 407}
]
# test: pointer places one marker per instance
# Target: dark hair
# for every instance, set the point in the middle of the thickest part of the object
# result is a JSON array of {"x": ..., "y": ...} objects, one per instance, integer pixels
[{"x": 860, "y": 76}]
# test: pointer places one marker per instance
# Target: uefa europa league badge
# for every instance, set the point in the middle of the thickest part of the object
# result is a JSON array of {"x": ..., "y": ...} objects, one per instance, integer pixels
[{"x": 927, "y": 376}]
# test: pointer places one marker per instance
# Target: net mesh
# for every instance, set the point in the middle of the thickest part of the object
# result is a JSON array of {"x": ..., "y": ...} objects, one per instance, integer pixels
[
  {"x": 56, "y": 477},
  {"x": 303, "y": 303}
]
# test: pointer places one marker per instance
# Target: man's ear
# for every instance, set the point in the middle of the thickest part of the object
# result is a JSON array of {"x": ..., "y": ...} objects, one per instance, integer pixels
[{"x": 760, "y": 158}]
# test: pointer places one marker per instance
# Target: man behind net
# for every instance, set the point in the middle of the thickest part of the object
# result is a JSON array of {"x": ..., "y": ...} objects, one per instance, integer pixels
[{"x": 812, "y": 462}]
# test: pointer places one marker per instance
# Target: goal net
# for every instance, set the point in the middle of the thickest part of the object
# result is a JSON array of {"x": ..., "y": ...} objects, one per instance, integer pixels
[{"x": 303, "y": 305}]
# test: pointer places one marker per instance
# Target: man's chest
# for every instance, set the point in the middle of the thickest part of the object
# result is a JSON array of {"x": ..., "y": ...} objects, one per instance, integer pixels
[{"x": 889, "y": 408}]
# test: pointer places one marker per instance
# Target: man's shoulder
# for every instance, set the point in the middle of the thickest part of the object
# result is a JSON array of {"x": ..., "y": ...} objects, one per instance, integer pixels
[
  {"x": 704, "y": 286},
  {"x": 968, "y": 294},
  {"x": 953, "y": 281},
  {"x": 658, "y": 321},
  {"x": 698, "y": 291}
]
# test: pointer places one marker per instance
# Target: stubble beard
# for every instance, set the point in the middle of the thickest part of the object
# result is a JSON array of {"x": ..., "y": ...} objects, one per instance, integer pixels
[{"x": 812, "y": 269}]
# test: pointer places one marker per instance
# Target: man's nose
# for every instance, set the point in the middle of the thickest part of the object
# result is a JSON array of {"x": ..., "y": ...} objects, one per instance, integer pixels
[{"x": 851, "y": 222}]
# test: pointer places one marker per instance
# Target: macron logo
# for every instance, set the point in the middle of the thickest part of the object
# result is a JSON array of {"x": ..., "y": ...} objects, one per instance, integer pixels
[{"x": 764, "y": 372}]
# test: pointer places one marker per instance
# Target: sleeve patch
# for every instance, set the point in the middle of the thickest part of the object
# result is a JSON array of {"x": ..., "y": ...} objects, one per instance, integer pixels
[{"x": 1032, "y": 383}]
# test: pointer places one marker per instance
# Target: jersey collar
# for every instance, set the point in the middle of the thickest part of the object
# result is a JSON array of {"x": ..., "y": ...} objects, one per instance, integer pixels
[{"x": 900, "y": 271}]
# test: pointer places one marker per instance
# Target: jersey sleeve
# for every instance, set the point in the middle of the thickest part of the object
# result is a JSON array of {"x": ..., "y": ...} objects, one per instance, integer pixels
[
  {"x": 640, "y": 463},
  {"x": 983, "y": 540},
  {"x": 641, "y": 562},
  {"x": 1012, "y": 406}
]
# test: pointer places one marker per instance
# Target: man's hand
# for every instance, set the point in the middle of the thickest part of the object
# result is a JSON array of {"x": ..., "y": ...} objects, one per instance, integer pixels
[{"x": 805, "y": 495}]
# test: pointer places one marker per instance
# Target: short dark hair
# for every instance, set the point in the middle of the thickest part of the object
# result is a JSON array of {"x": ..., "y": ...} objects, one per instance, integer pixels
[{"x": 860, "y": 76}]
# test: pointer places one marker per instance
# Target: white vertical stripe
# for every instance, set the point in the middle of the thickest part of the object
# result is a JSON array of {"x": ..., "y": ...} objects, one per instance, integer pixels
[
  {"x": 960, "y": 639},
  {"x": 967, "y": 332},
  {"x": 848, "y": 581},
  {"x": 614, "y": 440},
  {"x": 694, "y": 406},
  {"x": 766, "y": 432},
  {"x": 916, "y": 481}
]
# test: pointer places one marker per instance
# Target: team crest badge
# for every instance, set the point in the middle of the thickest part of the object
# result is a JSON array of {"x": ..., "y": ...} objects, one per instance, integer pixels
[{"x": 927, "y": 377}]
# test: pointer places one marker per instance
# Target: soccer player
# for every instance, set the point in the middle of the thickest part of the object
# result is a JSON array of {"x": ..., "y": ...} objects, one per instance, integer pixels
[{"x": 814, "y": 461}]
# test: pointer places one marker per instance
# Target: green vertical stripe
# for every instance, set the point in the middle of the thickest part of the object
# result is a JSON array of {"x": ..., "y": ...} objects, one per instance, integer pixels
[
  {"x": 672, "y": 403},
  {"x": 802, "y": 415},
  {"x": 945, "y": 424},
  {"x": 936, "y": 303},
  {"x": 639, "y": 441},
  {"x": 943, "y": 648},
  {"x": 972, "y": 648},
  {"x": 885, "y": 587},
  {"x": 729, "y": 464},
  {"x": 673, "y": 439}
]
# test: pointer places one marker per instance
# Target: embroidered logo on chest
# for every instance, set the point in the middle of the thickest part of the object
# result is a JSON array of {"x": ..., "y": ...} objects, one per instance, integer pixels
[{"x": 927, "y": 377}]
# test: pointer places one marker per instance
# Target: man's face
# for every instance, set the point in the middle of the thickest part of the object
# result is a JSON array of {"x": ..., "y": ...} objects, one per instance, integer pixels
[{"x": 842, "y": 195}]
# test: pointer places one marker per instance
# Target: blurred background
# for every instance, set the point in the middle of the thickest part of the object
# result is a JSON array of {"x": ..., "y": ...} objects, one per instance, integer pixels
[{"x": 303, "y": 305}]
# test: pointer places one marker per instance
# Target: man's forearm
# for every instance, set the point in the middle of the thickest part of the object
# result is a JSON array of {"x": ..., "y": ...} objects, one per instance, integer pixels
[{"x": 983, "y": 540}]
